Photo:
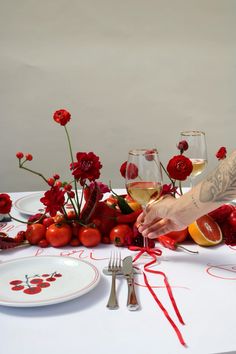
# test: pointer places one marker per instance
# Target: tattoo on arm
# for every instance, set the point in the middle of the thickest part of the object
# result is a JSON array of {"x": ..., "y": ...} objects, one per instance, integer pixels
[{"x": 220, "y": 185}]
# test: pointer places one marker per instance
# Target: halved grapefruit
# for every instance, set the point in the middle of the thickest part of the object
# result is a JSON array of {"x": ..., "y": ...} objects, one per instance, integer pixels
[{"x": 205, "y": 231}]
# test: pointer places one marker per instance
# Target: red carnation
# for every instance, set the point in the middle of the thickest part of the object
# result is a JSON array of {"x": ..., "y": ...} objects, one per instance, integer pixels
[
  {"x": 62, "y": 116},
  {"x": 179, "y": 167},
  {"x": 132, "y": 172},
  {"x": 5, "y": 203},
  {"x": 221, "y": 153},
  {"x": 87, "y": 167},
  {"x": 53, "y": 200}
]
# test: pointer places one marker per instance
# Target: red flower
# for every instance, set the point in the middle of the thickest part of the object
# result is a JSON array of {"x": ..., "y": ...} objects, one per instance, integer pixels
[
  {"x": 221, "y": 153},
  {"x": 53, "y": 200},
  {"x": 132, "y": 172},
  {"x": 62, "y": 116},
  {"x": 182, "y": 146},
  {"x": 179, "y": 167},
  {"x": 5, "y": 203},
  {"x": 87, "y": 167}
]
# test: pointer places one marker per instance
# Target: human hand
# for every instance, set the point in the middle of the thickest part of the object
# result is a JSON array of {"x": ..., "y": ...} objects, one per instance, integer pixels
[{"x": 160, "y": 217}]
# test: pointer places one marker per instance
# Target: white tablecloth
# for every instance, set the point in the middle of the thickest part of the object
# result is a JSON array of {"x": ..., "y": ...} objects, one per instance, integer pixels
[{"x": 204, "y": 287}]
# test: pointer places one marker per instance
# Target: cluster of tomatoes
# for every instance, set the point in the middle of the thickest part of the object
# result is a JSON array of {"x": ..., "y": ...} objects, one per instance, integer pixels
[
  {"x": 225, "y": 216},
  {"x": 108, "y": 225}
]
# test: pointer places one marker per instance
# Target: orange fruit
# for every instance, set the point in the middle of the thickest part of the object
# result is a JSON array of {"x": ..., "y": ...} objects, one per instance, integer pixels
[{"x": 205, "y": 231}]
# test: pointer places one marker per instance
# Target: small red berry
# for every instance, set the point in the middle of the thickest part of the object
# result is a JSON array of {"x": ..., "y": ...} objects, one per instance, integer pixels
[
  {"x": 56, "y": 176},
  {"x": 29, "y": 157},
  {"x": 71, "y": 194},
  {"x": 75, "y": 242},
  {"x": 58, "y": 184},
  {"x": 43, "y": 243},
  {"x": 20, "y": 237},
  {"x": 51, "y": 182},
  {"x": 68, "y": 187},
  {"x": 19, "y": 155}
]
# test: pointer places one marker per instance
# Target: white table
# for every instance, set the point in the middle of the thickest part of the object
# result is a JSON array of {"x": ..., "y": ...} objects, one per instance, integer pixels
[{"x": 204, "y": 287}]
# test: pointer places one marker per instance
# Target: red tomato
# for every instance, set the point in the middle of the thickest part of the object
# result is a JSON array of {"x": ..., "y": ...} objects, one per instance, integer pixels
[
  {"x": 58, "y": 235},
  {"x": 89, "y": 236},
  {"x": 232, "y": 220},
  {"x": 34, "y": 233},
  {"x": 71, "y": 214},
  {"x": 178, "y": 236},
  {"x": 59, "y": 218},
  {"x": 121, "y": 235},
  {"x": 48, "y": 221},
  {"x": 75, "y": 227}
]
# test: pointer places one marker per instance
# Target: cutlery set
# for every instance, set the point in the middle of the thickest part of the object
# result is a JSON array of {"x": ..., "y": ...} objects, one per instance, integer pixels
[{"x": 118, "y": 267}]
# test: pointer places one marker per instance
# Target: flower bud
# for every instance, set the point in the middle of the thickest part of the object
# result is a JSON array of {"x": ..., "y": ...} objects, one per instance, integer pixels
[
  {"x": 183, "y": 145},
  {"x": 29, "y": 157}
]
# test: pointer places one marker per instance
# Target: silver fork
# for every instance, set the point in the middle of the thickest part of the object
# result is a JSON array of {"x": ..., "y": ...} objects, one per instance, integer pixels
[{"x": 114, "y": 266}]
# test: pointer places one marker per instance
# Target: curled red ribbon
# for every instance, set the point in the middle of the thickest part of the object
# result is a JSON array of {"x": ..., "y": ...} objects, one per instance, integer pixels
[{"x": 154, "y": 253}]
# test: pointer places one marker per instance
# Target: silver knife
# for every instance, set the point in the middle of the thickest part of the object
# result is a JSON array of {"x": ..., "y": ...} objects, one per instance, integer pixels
[{"x": 128, "y": 272}]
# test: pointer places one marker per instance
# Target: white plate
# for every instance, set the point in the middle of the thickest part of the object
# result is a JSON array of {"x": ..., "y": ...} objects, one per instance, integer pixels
[
  {"x": 31, "y": 205},
  {"x": 51, "y": 280}
]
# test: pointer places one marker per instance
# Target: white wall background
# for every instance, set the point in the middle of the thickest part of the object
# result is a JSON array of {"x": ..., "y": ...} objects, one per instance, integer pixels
[{"x": 132, "y": 73}]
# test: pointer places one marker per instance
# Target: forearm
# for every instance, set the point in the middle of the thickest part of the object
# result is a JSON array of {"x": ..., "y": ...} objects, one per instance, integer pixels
[{"x": 217, "y": 188}]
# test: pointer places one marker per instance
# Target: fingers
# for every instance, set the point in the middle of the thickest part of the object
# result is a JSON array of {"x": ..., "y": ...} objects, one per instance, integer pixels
[{"x": 160, "y": 227}]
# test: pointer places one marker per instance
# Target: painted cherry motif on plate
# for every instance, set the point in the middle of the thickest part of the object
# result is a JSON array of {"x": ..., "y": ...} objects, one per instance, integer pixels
[{"x": 34, "y": 284}]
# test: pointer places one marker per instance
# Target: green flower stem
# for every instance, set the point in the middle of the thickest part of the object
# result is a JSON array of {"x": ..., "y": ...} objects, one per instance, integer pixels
[
  {"x": 180, "y": 188},
  {"x": 27, "y": 222},
  {"x": 162, "y": 166},
  {"x": 32, "y": 171},
  {"x": 64, "y": 212},
  {"x": 75, "y": 210},
  {"x": 72, "y": 160}
]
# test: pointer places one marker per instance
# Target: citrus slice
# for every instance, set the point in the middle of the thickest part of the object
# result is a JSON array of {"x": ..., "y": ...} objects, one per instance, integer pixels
[{"x": 205, "y": 231}]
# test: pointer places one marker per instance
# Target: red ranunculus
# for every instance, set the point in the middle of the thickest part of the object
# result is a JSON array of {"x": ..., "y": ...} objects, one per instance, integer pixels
[
  {"x": 5, "y": 203},
  {"x": 221, "y": 153},
  {"x": 62, "y": 116},
  {"x": 132, "y": 172},
  {"x": 87, "y": 167},
  {"x": 53, "y": 200},
  {"x": 182, "y": 146},
  {"x": 179, "y": 167}
]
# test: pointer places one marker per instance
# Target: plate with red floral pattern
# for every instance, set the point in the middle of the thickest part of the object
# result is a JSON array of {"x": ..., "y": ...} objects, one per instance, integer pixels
[{"x": 45, "y": 280}]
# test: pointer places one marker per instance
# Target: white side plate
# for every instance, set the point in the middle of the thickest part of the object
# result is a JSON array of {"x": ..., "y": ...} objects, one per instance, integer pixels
[{"x": 45, "y": 280}]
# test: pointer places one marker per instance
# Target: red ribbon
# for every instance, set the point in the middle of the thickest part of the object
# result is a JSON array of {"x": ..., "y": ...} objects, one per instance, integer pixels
[{"x": 154, "y": 253}]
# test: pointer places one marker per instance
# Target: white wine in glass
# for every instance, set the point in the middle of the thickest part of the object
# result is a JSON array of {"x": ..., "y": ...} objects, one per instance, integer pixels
[
  {"x": 144, "y": 177},
  {"x": 196, "y": 152}
]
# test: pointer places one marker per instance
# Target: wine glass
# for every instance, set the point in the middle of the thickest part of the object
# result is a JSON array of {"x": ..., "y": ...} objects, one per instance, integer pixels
[
  {"x": 196, "y": 152},
  {"x": 144, "y": 177}
]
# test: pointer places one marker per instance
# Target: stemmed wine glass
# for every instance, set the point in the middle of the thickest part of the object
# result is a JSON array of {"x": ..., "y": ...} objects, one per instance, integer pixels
[
  {"x": 144, "y": 177},
  {"x": 196, "y": 152}
]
